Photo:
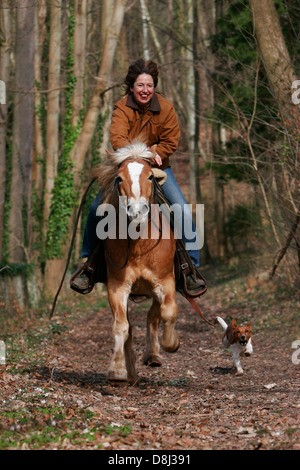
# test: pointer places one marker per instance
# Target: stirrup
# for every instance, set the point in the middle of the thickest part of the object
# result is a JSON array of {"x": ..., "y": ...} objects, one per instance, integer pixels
[
  {"x": 197, "y": 291},
  {"x": 89, "y": 271}
]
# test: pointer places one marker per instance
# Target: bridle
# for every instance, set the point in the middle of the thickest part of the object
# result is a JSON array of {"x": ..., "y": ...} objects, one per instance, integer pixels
[{"x": 116, "y": 186}]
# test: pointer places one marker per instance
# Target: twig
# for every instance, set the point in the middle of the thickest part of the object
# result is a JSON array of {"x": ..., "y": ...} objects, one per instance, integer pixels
[
  {"x": 291, "y": 235},
  {"x": 4, "y": 267}
]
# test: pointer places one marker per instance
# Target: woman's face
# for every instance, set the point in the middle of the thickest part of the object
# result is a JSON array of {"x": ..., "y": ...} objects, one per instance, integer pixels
[{"x": 143, "y": 89}]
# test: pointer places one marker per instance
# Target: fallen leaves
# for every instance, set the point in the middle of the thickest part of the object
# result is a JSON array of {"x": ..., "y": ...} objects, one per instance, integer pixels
[
  {"x": 269, "y": 386},
  {"x": 57, "y": 396}
]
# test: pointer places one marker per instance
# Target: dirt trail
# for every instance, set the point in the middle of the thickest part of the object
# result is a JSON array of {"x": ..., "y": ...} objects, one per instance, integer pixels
[{"x": 194, "y": 401}]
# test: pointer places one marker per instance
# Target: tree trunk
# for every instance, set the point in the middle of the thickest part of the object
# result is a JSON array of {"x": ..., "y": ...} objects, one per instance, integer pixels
[
  {"x": 202, "y": 29},
  {"x": 5, "y": 27},
  {"x": 39, "y": 38},
  {"x": 53, "y": 108},
  {"x": 146, "y": 53},
  {"x": 79, "y": 58},
  {"x": 190, "y": 96},
  {"x": 22, "y": 134},
  {"x": 275, "y": 57},
  {"x": 79, "y": 72}
]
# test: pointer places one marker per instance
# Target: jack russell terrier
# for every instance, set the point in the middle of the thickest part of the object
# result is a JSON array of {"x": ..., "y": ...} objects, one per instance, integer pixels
[{"x": 238, "y": 340}]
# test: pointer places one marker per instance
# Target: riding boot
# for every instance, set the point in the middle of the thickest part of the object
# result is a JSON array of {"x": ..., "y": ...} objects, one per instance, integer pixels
[
  {"x": 83, "y": 279},
  {"x": 194, "y": 283},
  {"x": 90, "y": 272}
]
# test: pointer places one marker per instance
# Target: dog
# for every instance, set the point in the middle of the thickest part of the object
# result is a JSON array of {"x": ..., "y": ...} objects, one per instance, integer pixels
[{"x": 238, "y": 340}]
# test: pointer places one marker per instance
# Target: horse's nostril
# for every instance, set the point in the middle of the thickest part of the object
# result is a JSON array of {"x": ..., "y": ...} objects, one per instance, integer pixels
[{"x": 137, "y": 210}]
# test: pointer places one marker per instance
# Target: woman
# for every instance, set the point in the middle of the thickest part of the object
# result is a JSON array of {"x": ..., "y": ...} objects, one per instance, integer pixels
[{"x": 148, "y": 116}]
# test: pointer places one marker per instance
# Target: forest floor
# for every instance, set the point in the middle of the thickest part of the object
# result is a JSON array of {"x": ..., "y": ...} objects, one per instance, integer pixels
[{"x": 55, "y": 393}]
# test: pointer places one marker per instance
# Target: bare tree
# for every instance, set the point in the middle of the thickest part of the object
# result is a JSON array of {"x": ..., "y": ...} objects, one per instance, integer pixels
[
  {"x": 5, "y": 44},
  {"x": 79, "y": 58},
  {"x": 281, "y": 75},
  {"x": 146, "y": 53},
  {"x": 53, "y": 108},
  {"x": 22, "y": 133}
]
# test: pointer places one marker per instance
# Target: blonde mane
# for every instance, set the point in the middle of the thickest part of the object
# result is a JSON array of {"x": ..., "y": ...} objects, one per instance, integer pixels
[{"x": 106, "y": 172}]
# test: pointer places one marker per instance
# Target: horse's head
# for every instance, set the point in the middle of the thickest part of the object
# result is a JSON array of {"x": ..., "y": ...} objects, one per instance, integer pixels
[
  {"x": 135, "y": 183},
  {"x": 128, "y": 173}
]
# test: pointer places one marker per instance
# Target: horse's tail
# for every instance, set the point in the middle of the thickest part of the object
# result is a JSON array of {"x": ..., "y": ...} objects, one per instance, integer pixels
[{"x": 222, "y": 323}]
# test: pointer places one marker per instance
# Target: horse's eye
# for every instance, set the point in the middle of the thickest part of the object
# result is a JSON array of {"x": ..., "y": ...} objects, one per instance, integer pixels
[
  {"x": 118, "y": 181},
  {"x": 151, "y": 177}
]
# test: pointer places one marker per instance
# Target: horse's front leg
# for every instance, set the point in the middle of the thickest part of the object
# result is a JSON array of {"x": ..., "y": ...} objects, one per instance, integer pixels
[
  {"x": 151, "y": 356},
  {"x": 122, "y": 367},
  {"x": 168, "y": 313}
]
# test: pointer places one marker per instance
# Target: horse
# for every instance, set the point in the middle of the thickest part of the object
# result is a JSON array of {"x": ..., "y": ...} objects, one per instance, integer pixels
[{"x": 137, "y": 265}]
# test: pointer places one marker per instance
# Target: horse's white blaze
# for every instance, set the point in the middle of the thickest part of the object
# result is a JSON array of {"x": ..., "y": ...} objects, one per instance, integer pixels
[{"x": 135, "y": 169}]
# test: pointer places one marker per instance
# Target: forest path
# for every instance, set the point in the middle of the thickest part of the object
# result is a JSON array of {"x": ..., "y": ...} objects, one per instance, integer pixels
[{"x": 194, "y": 401}]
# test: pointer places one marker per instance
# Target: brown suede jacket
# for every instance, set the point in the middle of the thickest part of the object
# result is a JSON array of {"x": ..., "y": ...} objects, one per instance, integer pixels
[{"x": 158, "y": 125}]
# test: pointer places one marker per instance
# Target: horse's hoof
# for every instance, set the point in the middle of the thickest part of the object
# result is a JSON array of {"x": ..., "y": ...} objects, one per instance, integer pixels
[
  {"x": 118, "y": 383},
  {"x": 153, "y": 361},
  {"x": 171, "y": 349},
  {"x": 117, "y": 380}
]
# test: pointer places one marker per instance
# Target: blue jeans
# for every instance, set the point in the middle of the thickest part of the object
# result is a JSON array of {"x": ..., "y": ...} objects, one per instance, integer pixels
[{"x": 173, "y": 194}]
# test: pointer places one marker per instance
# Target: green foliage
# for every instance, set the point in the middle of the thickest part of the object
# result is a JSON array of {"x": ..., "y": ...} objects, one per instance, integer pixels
[
  {"x": 63, "y": 197},
  {"x": 234, "y": 40},
  {"x": 242, "y": 223},
  {"x": 7, "y": 205},
  {"x": 237, "y": 59},
  {"x": 95, "y": 159},
  {"x": 17, "y": 269},
  {"x": 241, "y": 219},
  {"x": 37, "y": 199},
  {"x": 235, "y": 48}
]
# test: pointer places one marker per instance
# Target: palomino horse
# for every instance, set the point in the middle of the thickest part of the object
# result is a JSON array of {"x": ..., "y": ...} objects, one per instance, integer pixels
[{"x": 137, "y": 265}]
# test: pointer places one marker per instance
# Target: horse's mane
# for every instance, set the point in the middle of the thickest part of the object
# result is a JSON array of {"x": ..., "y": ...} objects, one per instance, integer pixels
[{"x": 106, "y": 172}]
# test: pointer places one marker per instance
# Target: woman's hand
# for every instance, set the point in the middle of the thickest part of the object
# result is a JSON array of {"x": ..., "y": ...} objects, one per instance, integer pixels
[{"x": 156, "y": 159}]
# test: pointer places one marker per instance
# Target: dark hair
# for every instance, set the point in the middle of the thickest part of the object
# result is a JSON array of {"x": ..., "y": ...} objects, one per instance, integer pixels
[{"x": 137, "y": 68}]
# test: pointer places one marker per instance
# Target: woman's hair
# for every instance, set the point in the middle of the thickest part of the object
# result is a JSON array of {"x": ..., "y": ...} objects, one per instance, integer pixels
[{"x": 137, "y": 68}]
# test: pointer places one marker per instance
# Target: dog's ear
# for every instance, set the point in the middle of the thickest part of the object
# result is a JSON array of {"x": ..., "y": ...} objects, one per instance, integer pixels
[
  {"x": 248, "y": 326},
  {"x": 234, "y": 324}
]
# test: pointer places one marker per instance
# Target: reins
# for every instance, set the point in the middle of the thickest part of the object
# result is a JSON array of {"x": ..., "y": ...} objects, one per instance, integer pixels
[
  {"x": 71, "y": 246},
  {"x": 111, "y": 261},
  {"x": 119, "y": 268}
]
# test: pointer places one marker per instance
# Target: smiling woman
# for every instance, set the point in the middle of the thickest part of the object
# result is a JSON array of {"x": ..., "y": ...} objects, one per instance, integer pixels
[
  {"x": 144, "y": 115},
  {"x": 143, "y": 89}
]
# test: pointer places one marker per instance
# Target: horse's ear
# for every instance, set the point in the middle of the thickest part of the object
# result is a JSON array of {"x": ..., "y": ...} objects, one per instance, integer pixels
[{"x": 109, "y": 153}]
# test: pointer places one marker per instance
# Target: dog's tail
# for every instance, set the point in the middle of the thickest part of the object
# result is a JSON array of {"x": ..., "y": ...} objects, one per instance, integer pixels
[{"x": 222, "y": 323}]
